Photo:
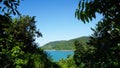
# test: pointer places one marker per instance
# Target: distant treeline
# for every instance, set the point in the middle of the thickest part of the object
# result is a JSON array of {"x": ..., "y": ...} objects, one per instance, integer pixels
[{"x": 64, "y": 45}]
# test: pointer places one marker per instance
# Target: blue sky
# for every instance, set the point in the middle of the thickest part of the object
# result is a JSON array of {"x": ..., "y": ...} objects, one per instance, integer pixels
[{"x": 56, "y": 19}]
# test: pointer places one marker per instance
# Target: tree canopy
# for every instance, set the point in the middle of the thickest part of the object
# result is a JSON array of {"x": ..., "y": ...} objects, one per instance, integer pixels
[
  {"x": 87, "y": 9},
  {"x": 17, "y": 45},
  {"x": 8, "y": 7},
  {"x": 18, "y": 48},
  {"x": 106, "y": 36}
]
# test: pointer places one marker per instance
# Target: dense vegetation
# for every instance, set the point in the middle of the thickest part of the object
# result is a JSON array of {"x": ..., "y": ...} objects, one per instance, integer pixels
[
  {"x": 19, "y": 50},
  {"x": 105, "y": 42},
  {"x": 64, "y": 45},
  {"x": 17, "y": 40},
  {"x": 67, "y": 63}
]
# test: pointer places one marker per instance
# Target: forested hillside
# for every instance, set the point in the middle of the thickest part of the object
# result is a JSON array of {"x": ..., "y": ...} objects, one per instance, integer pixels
[{"x": 64, "y": 45}]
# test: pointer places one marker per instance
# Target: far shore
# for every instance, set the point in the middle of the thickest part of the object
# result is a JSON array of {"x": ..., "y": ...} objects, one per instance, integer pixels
[{"x": 58, "y": 50}]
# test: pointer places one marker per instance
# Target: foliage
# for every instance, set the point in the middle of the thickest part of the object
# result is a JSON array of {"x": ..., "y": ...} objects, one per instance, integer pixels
[
  {"x": 82, "y": 54},
  {"x": 67, "y": 63},
  {"x": 17, "y": 40},
  {"x": 6, "y": 40},
  {"x": 107, "y": 44},
  {"x": 9, "y": 7},
  {"x": 63, "y": 45},
  {"x": 17, "y": 44},
  {"x": 106, "y": 34},
  {"x": 87, "y": 10}
]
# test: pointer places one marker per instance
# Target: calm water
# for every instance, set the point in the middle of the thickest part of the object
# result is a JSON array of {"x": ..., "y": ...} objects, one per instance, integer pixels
[{"x": 59, "y": 54}]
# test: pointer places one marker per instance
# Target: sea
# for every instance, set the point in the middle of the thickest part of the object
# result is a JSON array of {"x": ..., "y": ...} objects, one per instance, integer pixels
[{"x": 57, "y": 55}]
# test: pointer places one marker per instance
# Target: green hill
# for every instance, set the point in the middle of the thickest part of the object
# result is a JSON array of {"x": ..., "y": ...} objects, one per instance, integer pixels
[{"x": 64, "y": 45}]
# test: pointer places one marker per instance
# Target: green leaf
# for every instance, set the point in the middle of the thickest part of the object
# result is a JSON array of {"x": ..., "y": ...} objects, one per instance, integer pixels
[
  {"x": 83, "y": 5},
  {"x": 6, "y": 3}
]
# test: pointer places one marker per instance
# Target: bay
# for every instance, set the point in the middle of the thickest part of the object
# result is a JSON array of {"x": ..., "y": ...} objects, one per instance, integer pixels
[{"x": 57, "y": 55}]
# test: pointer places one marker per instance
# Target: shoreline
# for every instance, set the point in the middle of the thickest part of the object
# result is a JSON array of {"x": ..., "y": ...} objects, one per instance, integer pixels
[{"x": 58, "y": 50}]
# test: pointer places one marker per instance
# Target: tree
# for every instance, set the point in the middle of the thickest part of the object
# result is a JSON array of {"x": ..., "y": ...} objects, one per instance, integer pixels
[
  {"x": 87, "y": 10},
  {"x": 107, "y": 46},
  {"x": 8, "y": 7},
  {"x": 17, "y": 40},
  {"x": 18, "y": 47},
  {"x": 107, "y": 32},
  {"x": 83, "y": 54},
  {"x": 67, "y": 63},
  {"x": 78, "y": 52}
]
